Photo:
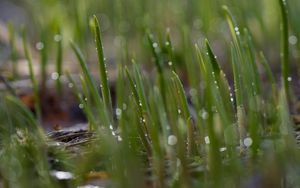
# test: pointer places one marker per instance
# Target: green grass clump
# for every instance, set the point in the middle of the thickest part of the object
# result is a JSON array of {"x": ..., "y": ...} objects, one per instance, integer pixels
[{"x": 173, "y": 123}]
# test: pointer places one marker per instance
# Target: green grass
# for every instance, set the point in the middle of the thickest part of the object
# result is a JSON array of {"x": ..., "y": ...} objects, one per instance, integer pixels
[{"x": 185, "y": 122}]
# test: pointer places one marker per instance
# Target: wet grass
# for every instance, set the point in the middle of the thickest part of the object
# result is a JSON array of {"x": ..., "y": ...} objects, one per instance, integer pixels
[{"x": 165, "y": 127}]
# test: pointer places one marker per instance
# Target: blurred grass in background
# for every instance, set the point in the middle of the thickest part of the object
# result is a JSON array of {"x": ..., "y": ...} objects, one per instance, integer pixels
[{"x": 125, "y": 23}]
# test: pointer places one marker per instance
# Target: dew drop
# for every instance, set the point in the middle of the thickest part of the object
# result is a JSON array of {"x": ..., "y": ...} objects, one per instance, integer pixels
[
  {"x": 179, "y": 111},
  {"x": 293, "y": 40},
  {"x": 204, "y": 114},
  {"x": 206, "y": 139},
  {"x": 54, "y": 76},
  {"x": 57, "y": 38},
  {"x": 167, "y": 43},
  {"x": 61, "y": 175},
  {"x": 118, "y": 112},
  {"x": 170, "y": 63},
  {"x": 120, "y": 138},
  {"x": 81, "y": 106},
  {"x": 155, "y": 45},
  {"x": 39, "y": 46},
  {"x": 70, "y": 85},
  {"x": 247, "y": 141},
  {"x": 172, "y": 140},
  {"x": 289, "y": 79}
]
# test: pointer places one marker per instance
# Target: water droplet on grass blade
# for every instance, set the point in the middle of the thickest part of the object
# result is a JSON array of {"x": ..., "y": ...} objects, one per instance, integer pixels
[
  {"x": 70, "y": 85},
  {"x": 293, "y": 40},
  {"x": 89, "y": 186},
  {"x": 57, "y": 38},
  {"x": 120, "y": 138},
  {"x": 118, "y": 112},
  {"x": 172, "y": 140},
  {"x": 248, "y": 141},
  {"x": 179, "y": 111},
  {"x": 61, "y": 175},
  {"x": 39, "y": 46},
  {"x": 206, "y": 139},
  {"x": 54, "y": 76},
  {"x": 289, "y": 79},
  {"x": 170, "y": 63},
  {"x": 81, "y": 106},
  {"x": 155, "y": 45}
]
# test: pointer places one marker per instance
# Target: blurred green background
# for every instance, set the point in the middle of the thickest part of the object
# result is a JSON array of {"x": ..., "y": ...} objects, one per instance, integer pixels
[{"x": 126, "y": 23}]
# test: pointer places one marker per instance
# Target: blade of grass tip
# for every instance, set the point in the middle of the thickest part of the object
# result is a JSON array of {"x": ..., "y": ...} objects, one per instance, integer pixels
[
  {"x": 87, "y": 111},
  {"x": 235, "y": 33},
  {"x": 102, "y": 66},
  {"x": 186, "y": 112},
  {"x": 91, "y": 85},
  {"x": 230, "y": 21},
  {"x": 221, "y": 80},
  {"x": 142, "y": 129},
  {"x": 37, "y": 103},
  {"x": 219, "y": 87},
  {"x": 161, "y": 78},
  {"x": 59, "y": 60},
  {"x": 284, "y": 46},
  {"x": 14, "y": 53}
]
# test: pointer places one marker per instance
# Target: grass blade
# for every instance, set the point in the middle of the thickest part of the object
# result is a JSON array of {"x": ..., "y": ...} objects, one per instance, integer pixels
[
  {"x": 102, "y": 66},
  {"x": 186, "y": 112},
  {"x": 37, "y": 99},
  {"x": 284, "y": 46}
]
